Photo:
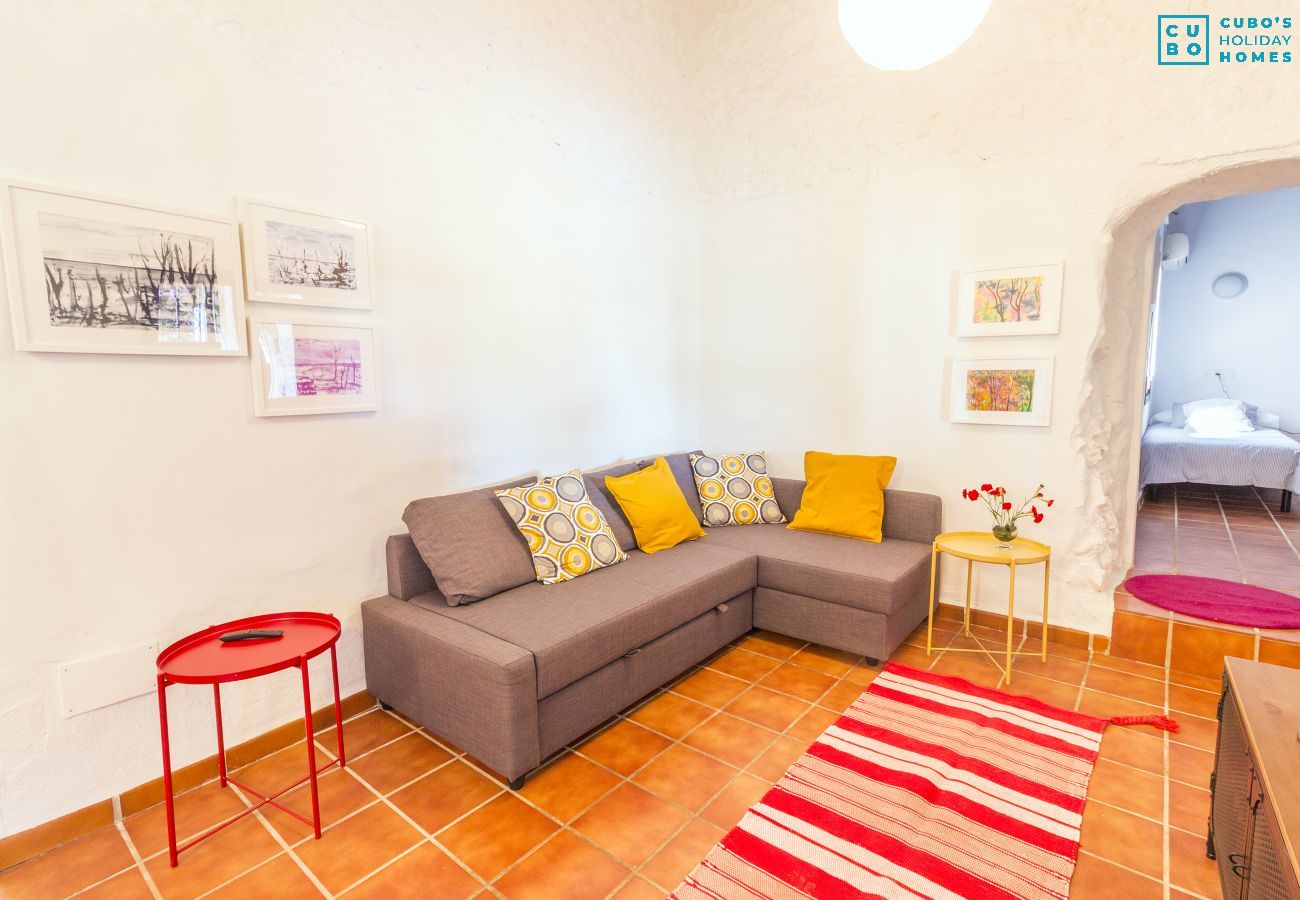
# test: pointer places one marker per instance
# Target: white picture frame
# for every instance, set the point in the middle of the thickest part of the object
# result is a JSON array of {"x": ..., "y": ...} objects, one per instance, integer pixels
[
  {"x": 991, "y": 391},
  {"x": 306, "y": 258},
  {"x": 304, "y": 366},
  {"x": 92, "y": 274},
  {"x": 1014, "y": 300}
]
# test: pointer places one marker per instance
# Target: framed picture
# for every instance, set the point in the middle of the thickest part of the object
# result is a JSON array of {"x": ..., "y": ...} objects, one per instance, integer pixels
[
  {"x": 89, "y": 274},
  {"x": 310, "y": 366},
  {"x": 1024, "y": 300},
  {"x": 1002, "y": 391},
  {"x": 297, "y": 256}
]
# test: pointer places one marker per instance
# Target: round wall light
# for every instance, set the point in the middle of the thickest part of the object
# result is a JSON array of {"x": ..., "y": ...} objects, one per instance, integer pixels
[
  {"x": 909, "y": 34},
  {"x": 1230, "y": 285}
]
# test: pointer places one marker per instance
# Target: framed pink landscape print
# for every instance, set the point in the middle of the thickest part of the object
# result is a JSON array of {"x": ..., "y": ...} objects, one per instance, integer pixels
[
  {"x": 1011, "y": 301},
  {"x": 310, "y": 366},
  {"x": 1001, "y": 391}
]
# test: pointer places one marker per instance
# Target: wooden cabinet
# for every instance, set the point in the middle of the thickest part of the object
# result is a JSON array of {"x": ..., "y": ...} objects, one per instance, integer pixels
[{"x": 1255, "y": 808}]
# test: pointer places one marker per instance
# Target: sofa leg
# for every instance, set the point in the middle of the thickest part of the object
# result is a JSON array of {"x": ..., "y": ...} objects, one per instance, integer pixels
[
  {"x": 516, "y": 783},
  {"x": 1286, "y": 502},
  {"x": 385, "y": 707},
  {"x": 872, "y": 661}
]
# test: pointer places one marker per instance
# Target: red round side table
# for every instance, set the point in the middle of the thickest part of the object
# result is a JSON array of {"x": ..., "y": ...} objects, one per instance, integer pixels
[{"x": 203, "y": 658}]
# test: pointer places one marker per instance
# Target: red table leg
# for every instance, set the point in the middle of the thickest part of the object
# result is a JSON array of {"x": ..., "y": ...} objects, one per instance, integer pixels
[
  {"x": 311, "y": 745},
  {"x": 167, "y": 771},
  {"x": 338, "y": 707},
  {"x": 221, "y": 741}
]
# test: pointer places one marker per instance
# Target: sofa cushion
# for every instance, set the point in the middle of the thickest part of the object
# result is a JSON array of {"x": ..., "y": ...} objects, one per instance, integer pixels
[
  {"x": 864, "y": 575},
  {"x": 653, "y": 503},
  {"x": 680, "y": 464},
  {"x": 734, "y": 488},
  {"x": 566, "y": 534},
  {"x": 470, "y": 545},
  {"x": 606, "y": 503},
  {"x": 574, "y": 628}
]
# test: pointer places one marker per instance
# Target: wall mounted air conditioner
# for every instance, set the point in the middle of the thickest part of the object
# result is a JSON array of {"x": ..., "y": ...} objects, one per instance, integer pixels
[{"x": 1174, "y": 253}]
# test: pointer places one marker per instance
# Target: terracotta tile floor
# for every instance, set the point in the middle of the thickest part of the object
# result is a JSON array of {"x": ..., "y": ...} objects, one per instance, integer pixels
[
  {"x": 627, "y": 811},
  {"x": 1233, "y": 533}
]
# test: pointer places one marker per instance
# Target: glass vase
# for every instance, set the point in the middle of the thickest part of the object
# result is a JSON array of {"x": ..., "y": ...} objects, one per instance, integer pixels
[{"x": 1005, "y": 534}]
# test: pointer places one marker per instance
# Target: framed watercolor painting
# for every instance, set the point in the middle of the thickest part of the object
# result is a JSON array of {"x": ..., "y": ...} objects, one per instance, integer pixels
[
  {"x": 1001, "y": 391},
  {"x": 311, "y": 366},
  {"x": 88, "y": 274},
  {"x": 302, "y": 257},
  {"x": 996, "y": 302}
]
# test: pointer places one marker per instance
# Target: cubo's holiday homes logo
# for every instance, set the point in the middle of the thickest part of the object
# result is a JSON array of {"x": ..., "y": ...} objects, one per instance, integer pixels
[{"x": 1186, "y": 40}]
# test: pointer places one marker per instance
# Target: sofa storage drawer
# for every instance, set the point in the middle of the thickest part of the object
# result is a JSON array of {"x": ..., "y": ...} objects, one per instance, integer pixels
[{"x": 572, "y": 711}]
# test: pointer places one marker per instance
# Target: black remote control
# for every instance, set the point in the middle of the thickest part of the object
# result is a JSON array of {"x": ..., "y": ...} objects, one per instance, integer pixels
[{"x": 253, "y": 634}]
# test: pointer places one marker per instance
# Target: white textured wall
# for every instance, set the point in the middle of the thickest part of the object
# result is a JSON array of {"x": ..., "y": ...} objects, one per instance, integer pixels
[
  {"x": 712, "y": 200},
  {"x": 536, "y": 266},
  {"x": 839, "y": 200},
  {"x": 1253, "y": 335}
]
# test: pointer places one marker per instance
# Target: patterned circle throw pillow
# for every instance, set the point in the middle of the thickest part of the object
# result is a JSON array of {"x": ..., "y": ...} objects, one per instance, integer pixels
[
  {"x": 566, "y": 533},
  {"x": 735, "y": 490}
]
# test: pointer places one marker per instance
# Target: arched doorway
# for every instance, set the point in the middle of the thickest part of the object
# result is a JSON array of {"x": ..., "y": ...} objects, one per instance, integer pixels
[{"x": 1109, "y": 423}]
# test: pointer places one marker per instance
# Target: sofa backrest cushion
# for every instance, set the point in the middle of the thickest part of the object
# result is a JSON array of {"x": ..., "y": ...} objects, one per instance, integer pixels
[
  {"x": 680, "y": 464},
  {"x": 604, "y": 501},
  {"x": 470, "y": 545}
]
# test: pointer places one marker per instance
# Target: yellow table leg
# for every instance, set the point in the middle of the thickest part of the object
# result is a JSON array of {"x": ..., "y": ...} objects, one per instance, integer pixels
[
  {"x": 1047, "y": 577},
  {"x": 970, "y": 568},
  {"x": 1011, "y": 616},
  {"x": 929, "y": 622}
]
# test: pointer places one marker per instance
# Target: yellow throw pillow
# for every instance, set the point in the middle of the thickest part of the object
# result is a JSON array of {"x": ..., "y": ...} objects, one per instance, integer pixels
[
  {"x": 656, "y": 507},
  {"x": 845, "y": 494}
]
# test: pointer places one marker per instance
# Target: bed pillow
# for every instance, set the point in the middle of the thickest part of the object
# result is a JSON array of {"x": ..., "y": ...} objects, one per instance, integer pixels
[
  {"x": 1218, "y": 421},
  {"x": 1163, "y": 418}
]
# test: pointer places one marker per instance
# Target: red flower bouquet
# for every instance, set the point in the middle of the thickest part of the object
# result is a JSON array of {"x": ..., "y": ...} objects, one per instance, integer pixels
[{"x": 1005, "y": 513}]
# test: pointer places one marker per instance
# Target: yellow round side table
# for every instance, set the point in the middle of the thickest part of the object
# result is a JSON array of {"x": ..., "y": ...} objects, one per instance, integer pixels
[{"x": 982, "y": 546}]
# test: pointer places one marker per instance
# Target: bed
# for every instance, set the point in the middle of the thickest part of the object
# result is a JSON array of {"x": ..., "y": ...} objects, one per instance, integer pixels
[{"x": 1265, "y": 458}]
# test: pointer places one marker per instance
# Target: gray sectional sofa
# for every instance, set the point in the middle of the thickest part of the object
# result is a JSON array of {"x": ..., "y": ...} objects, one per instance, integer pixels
[{"x": 514, "y": 677}]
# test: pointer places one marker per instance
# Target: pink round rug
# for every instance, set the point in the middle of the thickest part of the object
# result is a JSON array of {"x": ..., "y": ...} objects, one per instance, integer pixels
[{"x": 1218, "y": 600}]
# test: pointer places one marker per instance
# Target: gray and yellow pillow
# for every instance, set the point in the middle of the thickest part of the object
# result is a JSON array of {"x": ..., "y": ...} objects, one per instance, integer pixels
[
  {"x": 734, "y": 489},
  {"x": 566, "y": 534}
]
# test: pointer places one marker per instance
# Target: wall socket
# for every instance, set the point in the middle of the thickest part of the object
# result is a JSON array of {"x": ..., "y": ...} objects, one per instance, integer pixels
[{"x": 1226, "y": 373}]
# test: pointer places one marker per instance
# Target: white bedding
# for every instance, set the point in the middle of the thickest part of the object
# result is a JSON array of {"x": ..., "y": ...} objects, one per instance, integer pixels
[{"x": 1264, "y": 458}]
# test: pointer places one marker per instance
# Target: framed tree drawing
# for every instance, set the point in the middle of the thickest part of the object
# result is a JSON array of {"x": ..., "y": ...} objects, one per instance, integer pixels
[
  {"x": 1001, "y": 391},
  {"x": 304, "y": 366},
  {"x": 307, "y": 258},
  {"x": 88, "y": 274},
  {"x": 998, "y": 302}
]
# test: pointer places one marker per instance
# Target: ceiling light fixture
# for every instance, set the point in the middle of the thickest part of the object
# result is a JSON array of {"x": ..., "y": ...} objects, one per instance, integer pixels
[{"x": 909, "y": 34}]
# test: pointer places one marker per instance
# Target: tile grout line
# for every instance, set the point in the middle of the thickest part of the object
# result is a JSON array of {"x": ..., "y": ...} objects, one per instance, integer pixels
[
  {"x": 1241, "y": 572},
  {"x": 1278, "y": 525},
  {"x": 135, "y": 853}
]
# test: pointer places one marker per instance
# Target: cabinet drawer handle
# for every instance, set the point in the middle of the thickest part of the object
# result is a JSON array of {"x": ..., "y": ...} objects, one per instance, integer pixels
[
  {"x": 722, "y": 607},
  {"x": 1237, "y": 858},
  {"x": 1240, "y": 871},
  {"x": 631, "y": 653}
]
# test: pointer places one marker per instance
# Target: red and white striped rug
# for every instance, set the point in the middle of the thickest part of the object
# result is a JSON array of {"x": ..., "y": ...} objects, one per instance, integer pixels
[{"x": 928, "y": 786}]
